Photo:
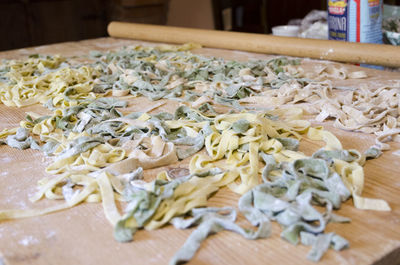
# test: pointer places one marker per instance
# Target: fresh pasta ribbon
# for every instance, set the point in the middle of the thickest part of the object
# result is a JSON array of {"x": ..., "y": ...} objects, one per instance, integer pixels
[
  {"x": 319, "y": 134},
  {"x": 353, "y": 176},
  {"x": 74, "y": 200},
  {"x": 6, "y": 132},
  {"x": 352, "y": 173},
  {"x": 107, "y": 198}
]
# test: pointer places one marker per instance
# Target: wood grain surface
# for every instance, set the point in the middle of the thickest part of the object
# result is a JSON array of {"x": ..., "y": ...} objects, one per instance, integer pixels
[{"x": 82, "y": 235}]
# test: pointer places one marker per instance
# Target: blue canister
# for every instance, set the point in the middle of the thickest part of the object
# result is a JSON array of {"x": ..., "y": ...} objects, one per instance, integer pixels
[{"x": 355, "y": 20}]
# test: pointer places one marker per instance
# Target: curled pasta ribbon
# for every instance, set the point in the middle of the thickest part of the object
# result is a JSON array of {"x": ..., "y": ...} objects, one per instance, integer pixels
[
  {"x": 44, "y": 127},
  {"x": 352, "y": 173},
  {"x": 107, "y": 198},
  {"x": 385, "y": 135},
  {"x": 6, "y": 132},
  {"x": 353, "y": 177},
  {"x": 333, "y": 71},
  {"x": 97, "y": 189},
  {"x": 319, "y": 134},
  {"x": 75, "y": 199},
  {"x": 154, "y": 151}
]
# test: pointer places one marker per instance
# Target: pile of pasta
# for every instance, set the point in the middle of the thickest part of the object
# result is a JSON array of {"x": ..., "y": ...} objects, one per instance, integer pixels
[
  {"x": 38, "y": 80},
  {"x": 100, "y": 152},
  {"x": 364, "y": 109},
  {"x": 256, "y": 84}
]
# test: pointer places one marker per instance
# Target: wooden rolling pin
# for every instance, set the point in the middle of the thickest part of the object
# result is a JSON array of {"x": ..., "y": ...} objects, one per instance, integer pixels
[{"x": 349, "y": 52}]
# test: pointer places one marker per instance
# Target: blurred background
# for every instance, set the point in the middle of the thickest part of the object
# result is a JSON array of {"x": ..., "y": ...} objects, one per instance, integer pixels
[{"x": 26, "y": 23}]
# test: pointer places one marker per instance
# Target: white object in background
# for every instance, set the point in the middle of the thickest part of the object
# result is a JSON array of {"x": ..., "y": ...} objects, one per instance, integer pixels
[
  {"x": 317, "y": 30},
  {"x": 286, "y": 30}
]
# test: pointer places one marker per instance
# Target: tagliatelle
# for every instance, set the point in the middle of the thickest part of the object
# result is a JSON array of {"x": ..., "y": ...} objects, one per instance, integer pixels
[
  {"x": 100, "y": 153},
  {"x": 97, "y": 187},
  {"x": 6, "y": 132},
  {"x": 158, "y": 153},
  {"x": 91, "y": 160},
  {"x": 353, "y": 176},
  {"x": 334, "y": 71},
  {"x": 260, "y": 135},
  {"x": 273, "y": 83},
  {"x": 187, "y": 196},
  {"x": 235, "y": 138},
  {"x": 245, "y": 164},
  {"x": 352, "y": 173},
  {"x": 318, "y": 134},
  {"x": 107, "y": 197},
  {"x": 74, "y": 200},
  {"x": 365, "y": 109},
  {"x": 36, "y": 80}
]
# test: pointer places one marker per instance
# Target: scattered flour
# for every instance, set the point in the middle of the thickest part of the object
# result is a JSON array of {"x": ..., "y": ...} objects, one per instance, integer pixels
[
  {"x": 28, "y": 240},
  {"x": 50, "y": 234},
  {"x": 397, "y": 152},
  {"x": 6, "y": 159}
]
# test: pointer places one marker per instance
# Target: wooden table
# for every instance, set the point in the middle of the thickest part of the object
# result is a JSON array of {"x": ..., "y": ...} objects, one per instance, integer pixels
[{"x": 82, "y": 235}]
